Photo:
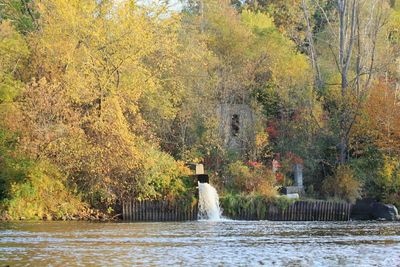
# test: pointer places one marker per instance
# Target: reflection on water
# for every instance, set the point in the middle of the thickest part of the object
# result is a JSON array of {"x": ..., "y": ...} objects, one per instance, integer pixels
[{"x": 223, "y": 243}]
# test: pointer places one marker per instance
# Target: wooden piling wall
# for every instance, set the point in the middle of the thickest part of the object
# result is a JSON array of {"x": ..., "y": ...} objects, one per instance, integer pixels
[
  {"x": 159, "y": 211},
  {"x": 163, "y": 210},
  {"x": 315, "y": 210}
]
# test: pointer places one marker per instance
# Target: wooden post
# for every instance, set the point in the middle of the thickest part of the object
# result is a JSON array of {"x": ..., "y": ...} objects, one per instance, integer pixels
[
  {"x": 328, "y": 210},
  {"x": 324, "y": 211},
  {"x": 175, "y": 212},
  {"x": 154, "y": 210},
  {"x": 337, "y": 212},
  {"x": 334, "y": 212},
  {"x": 315, "y": 211},
  {"x": 151, "y": 210},
  {"x": 142, "y": 210},
  {"x": 342, "y": 212},
  {"x": 142, "y": 217},
  {"x": 347, "y": 216},
  {"x": 134, "y": 208},
  {"x": 146, "y": 210},
  {"x": 298, "y": 211},
  {"x": 301, "y": 211},
  {"x": 190, "y": 211},
  {"x": 137, "y": 209},
  {"x": 162, "y": 209},
  {"x": 169, "y": 211},
  {"x": 123, "y": 211},
  {"x": 320, "y": 210},
  {"x": 158, "y": 210},
  {"x": 129, "y": 210}
]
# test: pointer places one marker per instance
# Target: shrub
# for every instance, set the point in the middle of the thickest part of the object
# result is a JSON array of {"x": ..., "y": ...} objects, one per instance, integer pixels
[
  {"x": 164, "y": 177},
  {"x": 256, "y": 204},
  {"x": 251, "y": 178},
  {"x": 41, "y": 193},
  {"x": 381, "y": 177},
  {"x": 388, "y": 181},
  {"x": 342, "y": 185}
]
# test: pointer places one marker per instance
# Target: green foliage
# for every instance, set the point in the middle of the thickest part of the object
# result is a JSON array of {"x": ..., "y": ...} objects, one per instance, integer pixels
[
  {"x": 270, "y": 101},
  {"x": 389, "y": 181},
  {"x": 233, "y": 204},
  {"x": 165, "y": 177},
  {"x": 283, "y": 202},
  {"x": 32, "y": 189},
  {"x": 21, "y": 13},
  {"x": 380, "y": 175},
  {"x": 41, "y": 194}
]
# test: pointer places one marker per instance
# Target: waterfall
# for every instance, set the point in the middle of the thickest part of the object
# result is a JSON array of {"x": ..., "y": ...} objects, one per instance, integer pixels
[{"x": 208, "y": 203}]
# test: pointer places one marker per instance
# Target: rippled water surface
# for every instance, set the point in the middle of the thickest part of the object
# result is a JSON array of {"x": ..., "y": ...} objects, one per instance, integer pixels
[{"x": 225, "y": 243}]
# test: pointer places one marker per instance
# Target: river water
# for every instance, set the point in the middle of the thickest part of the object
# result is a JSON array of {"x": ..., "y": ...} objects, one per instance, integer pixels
[{"x": 202, "y": 243}]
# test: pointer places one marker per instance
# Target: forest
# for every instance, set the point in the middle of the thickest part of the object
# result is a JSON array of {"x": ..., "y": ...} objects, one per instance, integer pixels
[{"x": 104, "y": 100}]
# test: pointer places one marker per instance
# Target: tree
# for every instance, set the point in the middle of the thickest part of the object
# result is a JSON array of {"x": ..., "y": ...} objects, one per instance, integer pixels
[
  {"x": 21, "y": 13},
  {"x": 287, "y": 16},
  {"x": 99, "y": 75},
  {"x": 251, "y": 57},
  {"x": 380, "y": 121},
  {"x": 354, "y": 34}
]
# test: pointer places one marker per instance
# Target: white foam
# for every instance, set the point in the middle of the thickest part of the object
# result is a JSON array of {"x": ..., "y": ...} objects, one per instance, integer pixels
[{"x": 209, "y": 203}]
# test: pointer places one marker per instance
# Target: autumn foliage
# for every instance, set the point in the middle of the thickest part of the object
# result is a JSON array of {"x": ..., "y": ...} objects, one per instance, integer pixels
[{"x": 106, "y": 100}]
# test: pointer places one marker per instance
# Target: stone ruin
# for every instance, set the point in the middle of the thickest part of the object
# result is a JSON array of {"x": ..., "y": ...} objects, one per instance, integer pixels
[{"x": 236, "y": 126}]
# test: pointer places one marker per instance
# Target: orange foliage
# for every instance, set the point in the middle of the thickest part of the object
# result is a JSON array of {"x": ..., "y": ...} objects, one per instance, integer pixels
[{"x": 383, "y": 111}]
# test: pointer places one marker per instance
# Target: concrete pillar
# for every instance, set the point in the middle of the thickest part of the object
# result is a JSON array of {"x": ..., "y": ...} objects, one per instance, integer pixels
[
  {"x": 298, "y": 174},
  {"x": 199, "y": 169}
]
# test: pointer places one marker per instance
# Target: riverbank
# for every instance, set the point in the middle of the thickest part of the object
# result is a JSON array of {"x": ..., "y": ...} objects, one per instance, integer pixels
[{"x": 84, "y": 215}]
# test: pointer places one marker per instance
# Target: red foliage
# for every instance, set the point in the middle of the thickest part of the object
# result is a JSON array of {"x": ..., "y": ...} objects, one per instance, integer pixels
[
  {"x": 276, "y": 164},
  {"x": 272, "y": 130},
  {"x": 292, "y": 157},
  {"x": 279, "y": 177},
  {"x": 254, "y": 164}
]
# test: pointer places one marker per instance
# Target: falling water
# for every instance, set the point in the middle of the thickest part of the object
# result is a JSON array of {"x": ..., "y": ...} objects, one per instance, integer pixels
[{"x": 208, "y": 203}]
